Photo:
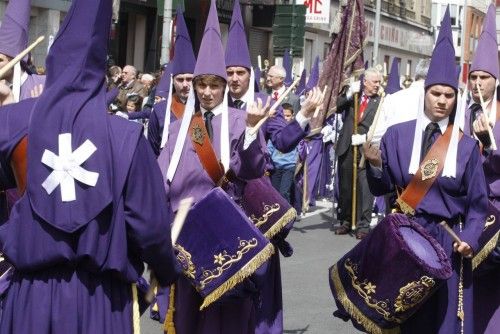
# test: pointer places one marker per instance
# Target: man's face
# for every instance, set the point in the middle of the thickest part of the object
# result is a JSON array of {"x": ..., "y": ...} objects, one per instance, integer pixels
[
  {"x": 238, "y": 79},
  {"x": 371, "y": 84},
  {"x": 3, "y": 61},
  {"x": 439, "y": 102},
  {"x": 210, "y": 94},
  {"x": 147, "y": 82},
  {"x": 182, "y": 84},
  {"x": 486, "y": 83},
  {"x": 288, "y": 115},
  {"x": 274, "y": 80},
  {"x": 128, "y": 74}
]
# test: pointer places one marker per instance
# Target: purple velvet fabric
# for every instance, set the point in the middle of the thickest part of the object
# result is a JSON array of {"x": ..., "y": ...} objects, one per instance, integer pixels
[{"x": 396, "y": 253}]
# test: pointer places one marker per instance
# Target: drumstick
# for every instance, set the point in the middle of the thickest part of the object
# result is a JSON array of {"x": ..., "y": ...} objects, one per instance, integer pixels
[
  {"x": 490, "y": 132},
  {"x": 371, "y": 131},
  {"x": 180, "y": 218},
  {"x": 452, "y": 233},
  {"x": 20, "y": 56},
  {"x": 276, "y": 104},
  {"x": 316, "y": 112}
]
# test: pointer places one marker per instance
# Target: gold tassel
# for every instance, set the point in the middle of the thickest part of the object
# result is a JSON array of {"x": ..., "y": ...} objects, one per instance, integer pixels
[
  {"x": 354, "y": 312},
  {"x": 240, "y": 275},
  {"x": 487, "y": 249},
  {"x": 168, "y": 325},
  {"x": 290, "y": 215},
  {"x": 136, "y": 315}
]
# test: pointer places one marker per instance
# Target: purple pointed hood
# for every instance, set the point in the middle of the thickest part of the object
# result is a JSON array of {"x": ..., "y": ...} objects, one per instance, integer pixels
[
  {"x": 486, "y": 54},
  {"x": 393, "y": 85},
  {"x": 184, "y": 59},
  {"x": 288, "y": 64},
  {"x": 301, "y": 86},
  {"x": 257, "y": 74},
  {"x": 163, "y": 86},
  {"x": 70, "y": 118},
  {"x": 14, "y": 28},
  {"x": 237, "y": 53},
  {"x": 211, "y": 54},
  {"x": 313, "y": 76},
  {"x": 442, "y": 69}
]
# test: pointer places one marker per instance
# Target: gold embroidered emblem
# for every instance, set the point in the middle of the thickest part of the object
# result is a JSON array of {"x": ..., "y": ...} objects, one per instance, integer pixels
[
  {"x": 413, "y": 293},
  {"x": 404, "y": 207},
  {"x": 429, "y": 169},
  {"x": 225, "y": 261},
  {"x": 198, "y": 135},
  {"x": 380, "y": 306},
  {"x": 184, "y": 258},
  {"x": 268, "y": 212},
  {"x": 489, "y": 221}
]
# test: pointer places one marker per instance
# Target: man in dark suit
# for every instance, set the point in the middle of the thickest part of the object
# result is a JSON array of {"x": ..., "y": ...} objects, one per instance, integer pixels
[
  {"x": 368, "y": 104},
  {"x": 276, "y": 86}
]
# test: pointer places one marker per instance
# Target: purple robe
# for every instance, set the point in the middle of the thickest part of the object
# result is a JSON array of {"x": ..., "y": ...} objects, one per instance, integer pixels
[
  {"x": 487, "y": 291},
  {"x": 30, "y": 83},
  {"x": 230, "y": 315},
  {"x": 448, "y": 199},
  {"x": 83, "y": 279}
]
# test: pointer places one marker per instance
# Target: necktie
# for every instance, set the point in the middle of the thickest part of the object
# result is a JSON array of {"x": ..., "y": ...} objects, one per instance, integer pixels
[
  {"x": 275, "y": 96},
  {"x": 428, "y": 139},
  {"x": 362, "y": 107},
  {"x": 208, "y": 124},
  {"x": 475, "y": 111},
  {"x": 238, "y": 104}
]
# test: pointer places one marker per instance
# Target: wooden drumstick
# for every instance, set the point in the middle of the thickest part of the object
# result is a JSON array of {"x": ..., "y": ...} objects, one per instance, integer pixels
[
  {"x": 493, "y": 144},
  {"x": 452, "y": 233},
  {"x": 316, "y": 112},
  {"x": 177, "y": 225},
  {"x": 276, "y": 104},
  {"x": 20, "y": 56}
]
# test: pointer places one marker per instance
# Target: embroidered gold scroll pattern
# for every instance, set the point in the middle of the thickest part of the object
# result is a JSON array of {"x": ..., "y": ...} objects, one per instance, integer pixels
[
  {"x": 225, "y": 261},
  {"x": 429, "y": 169},
  {"x": 413, "y": 293},
  {"x": 365, "y": 289},
  {"x": 184, "y": 258},
  {"x": 268, "y": 212}
]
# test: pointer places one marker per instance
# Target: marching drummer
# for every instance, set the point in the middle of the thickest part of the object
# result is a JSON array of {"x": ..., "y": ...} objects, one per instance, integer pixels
[
  {"x": 442, "y": 180},
  {"x": 185, "y": 162}
]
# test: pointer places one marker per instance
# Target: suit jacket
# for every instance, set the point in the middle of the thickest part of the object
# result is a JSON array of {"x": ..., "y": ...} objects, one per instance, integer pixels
[
  {"x": 346, "y": 106},
  {"x": 292, "y": 99},
  {"x": 137, "y": 87}
]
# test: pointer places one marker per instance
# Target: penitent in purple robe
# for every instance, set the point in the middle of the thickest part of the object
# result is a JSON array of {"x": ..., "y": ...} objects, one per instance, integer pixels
[
  {"x": 231, "y": 315},
  {"x": 83, "y": 279},
  {"x": 463, "y": 197}
]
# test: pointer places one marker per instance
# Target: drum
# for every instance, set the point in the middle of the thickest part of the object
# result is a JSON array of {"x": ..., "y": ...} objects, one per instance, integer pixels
[
  {"x": 386, "y": 277},
  {"x": 266, "y": 208},
  {"x": 488, "y": 239},
  {"x": 218, "y": 247}
]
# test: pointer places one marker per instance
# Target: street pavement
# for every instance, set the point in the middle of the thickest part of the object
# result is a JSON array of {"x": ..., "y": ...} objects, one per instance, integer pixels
[{"x": 308, "y": 302}]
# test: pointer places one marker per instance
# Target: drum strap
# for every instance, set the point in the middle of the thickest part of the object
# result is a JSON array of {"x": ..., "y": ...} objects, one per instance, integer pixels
[
  {"x": 429, "y": 170},
  {"x": 205, "y": 150}
]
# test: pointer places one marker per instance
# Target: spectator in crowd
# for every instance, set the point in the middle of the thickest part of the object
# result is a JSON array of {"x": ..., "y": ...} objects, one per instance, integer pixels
[
  {"x": 275, "y": 82},
  {"x": 130, "y": 84},
  {"x": 284, "y": 163},
  {"x": 114, "y": 77},
  {"x": 134, "y": 103}
]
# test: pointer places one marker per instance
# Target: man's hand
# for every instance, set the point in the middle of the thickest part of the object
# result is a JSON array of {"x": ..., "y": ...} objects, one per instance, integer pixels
[
  {"x": 372, "y": 154},
  {"x": 257, "y": 112},
  {"x": 313, "y": 100},
  {"x": 463, "y": 248},
  {"x": 6, "y": 96},
  {"x": 480, "y": 127},
  {"x": 358, "y": 139},
  {"x": 355, "y": 87},
  {"x": 37, "y": 91}
]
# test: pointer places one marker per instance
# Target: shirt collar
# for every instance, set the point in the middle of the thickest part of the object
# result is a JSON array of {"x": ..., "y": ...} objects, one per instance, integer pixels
[
  {"x": 443, "y": 124},
  {"x": 244, "y": 98},
  {"x": 280, "y": 91},
  {"x": 216, "y": 111}
]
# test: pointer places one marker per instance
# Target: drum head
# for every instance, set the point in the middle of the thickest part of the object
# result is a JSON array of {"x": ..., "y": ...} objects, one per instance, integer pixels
[{"x": 421, "y": 246}]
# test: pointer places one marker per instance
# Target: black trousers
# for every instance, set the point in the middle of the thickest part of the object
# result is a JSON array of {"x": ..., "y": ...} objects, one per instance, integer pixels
[{"x": 364, "y": 205}]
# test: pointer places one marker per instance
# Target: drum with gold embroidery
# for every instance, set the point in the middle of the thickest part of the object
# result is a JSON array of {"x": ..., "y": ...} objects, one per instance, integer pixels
[
  {"x": 266, "y": 208},
  {"x": 218, "y": 247},
  {"x": 385, "y": 278},
  {"x": 489, "y": 237}
]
